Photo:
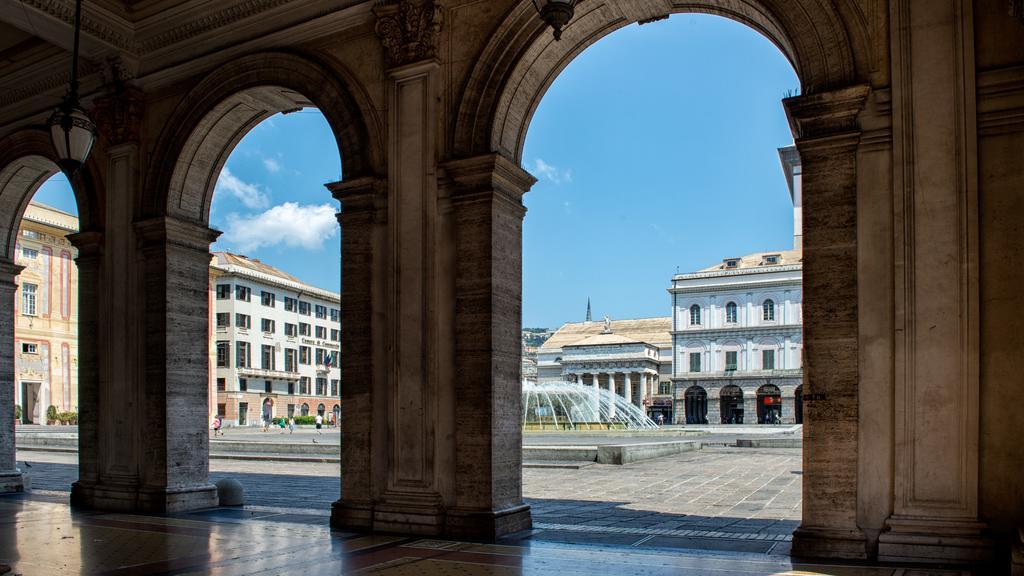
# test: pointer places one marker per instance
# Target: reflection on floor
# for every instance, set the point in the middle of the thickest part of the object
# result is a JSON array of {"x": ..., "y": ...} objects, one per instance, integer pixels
[{"x": 40, "y": 534}]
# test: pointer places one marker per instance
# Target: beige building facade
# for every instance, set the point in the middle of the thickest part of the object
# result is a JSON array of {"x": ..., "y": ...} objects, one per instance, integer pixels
[
  {"x": 46, "y": 315},
  {"x": 909, "y": 123}
]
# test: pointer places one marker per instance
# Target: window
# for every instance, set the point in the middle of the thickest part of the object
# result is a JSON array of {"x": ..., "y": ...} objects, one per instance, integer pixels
[
  {"x": 267, "y": 325},
  {"x": 304, "y": 410},
  {"x": 731, "y": 313},
  {"x": 303, "y": 308},
  {"x": 695, "y": 315},
  {"x": 321, "y": 386},
  {"x": 335, "y": 315},
  {"x": 770, "y": 259},
  {"x": 290, "y": 329},
  {"x": 243, "y": 385},
  {"x": 223, "y": 319},
  {"x": 291, "y": 407},
  {"x": 289, "y": 304},
  {"x": 304, "y": 386},
  {"x": 27, "y": 348},
  {"x": 221, "y": 410},
  {"x": 321, "y": 354},
  {"x": 335, "y": 335},
  {"x": 694, "y": 361},
  {"x": 304, "y": 355},
  {"x": 223, "y": 353},
  {"x": 221, "y": 384},
  {"x": 267, "y": 298},
  {"x": 268, "y": 357},
  {"x": 243, "y": 293},
  {"x": 334, "y": 387},
  {"x": 223, "y": 291},
  {"x": 31, "y": 234},
  {"x": 28, "y": 299},
  {"x": 768, "y": 359},
  {"x": 243, "y": 321},
  {"x": 242, "y": 355},
  {"x": 664, "y": 387},
  {"x": 321, "y": 332},
  {"x": 768, "y": 310},
  {"x": 267, "y": 386},
  {"x": 303, "y": 329},
  {"x": 291, "y": 390},
  {"x": 29, "y": 253},
  {"x": 290, "y": 355},
  {"x": 321, "y": 312},
  {"x": 730, "y": 360},
  {"x": 732, "y": 263}
]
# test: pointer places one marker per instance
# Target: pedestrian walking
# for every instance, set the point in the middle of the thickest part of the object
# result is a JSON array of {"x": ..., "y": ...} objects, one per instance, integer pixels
[
  {"x": 216, "y": 425},
  {"x": 291, "y": 425},
  {"x": 319, "y": 423}
]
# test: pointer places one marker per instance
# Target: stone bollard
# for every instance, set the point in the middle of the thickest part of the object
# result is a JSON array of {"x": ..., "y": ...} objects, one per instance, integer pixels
[{"x": 230, "y": 492}]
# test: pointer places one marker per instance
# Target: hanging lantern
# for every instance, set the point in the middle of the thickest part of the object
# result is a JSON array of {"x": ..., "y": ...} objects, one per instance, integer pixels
[
  {"x": 557, "y": 13},
  {"x": 71, "y": 130}
]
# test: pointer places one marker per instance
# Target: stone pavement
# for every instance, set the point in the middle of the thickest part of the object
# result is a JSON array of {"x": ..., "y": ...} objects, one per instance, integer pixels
[{"x": 725, "y": 499}]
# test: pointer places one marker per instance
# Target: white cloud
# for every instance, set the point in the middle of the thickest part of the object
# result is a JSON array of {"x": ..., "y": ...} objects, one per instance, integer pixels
[
  {"x": 544, "y": 170},
  {"x": 288, "y": 224},
  {"x": 271, "y": 165},
  {"x": 249, "y": 194}
]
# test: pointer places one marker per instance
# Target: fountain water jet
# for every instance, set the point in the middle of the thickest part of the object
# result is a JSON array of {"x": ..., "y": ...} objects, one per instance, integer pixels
[{"x": 573, "y": 406}]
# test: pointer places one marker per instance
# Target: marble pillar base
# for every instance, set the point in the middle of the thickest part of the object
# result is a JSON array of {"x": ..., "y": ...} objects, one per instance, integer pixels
[
  {"x": 487, "y": 524},
  {"x": 809, "y": 542},
  {"x": 11, "y": 482},
  {"x": 430, "y": 520},
  {"x": 131, "y": 498},
  {"x": 935, "y": 541}
]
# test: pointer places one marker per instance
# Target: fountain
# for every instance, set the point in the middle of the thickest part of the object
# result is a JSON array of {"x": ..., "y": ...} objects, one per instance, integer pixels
[{"x": 572, "y": 406}]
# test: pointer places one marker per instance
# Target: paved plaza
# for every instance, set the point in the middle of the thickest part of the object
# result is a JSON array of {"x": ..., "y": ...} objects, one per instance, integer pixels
[{"x": 729, "y": 499}]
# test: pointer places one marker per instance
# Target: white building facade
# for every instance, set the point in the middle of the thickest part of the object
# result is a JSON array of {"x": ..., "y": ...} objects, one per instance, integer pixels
[
  {"x": 276, "y": 343},
  {"x": 737, "y": 336}
]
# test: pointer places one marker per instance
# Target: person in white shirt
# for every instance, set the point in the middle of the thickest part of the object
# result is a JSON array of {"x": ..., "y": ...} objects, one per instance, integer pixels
[{"x": 319, "y": 423}]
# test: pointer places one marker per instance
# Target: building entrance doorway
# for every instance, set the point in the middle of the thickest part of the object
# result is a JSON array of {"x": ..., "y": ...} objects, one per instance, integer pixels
[
  {"x": 769, "y": 404},
  {"x": 31, "y": 407},
  {"x": 731, "y": 404},
  {"x": 696, "y": 401},
  {"x": 243, "y": 413},
  {"x": 798, "y": 407}
]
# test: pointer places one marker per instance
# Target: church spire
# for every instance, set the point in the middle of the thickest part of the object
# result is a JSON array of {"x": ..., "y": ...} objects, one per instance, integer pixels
[{"x": 590, "y": 317}]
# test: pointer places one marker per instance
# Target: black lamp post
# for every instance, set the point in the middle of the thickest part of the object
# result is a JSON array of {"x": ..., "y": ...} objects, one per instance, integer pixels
[
  {"x": 557, "y": 13},
  {"x": 71, "y": 130}
]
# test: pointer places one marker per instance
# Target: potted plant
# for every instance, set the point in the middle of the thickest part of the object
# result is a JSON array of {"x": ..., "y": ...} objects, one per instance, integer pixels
[
  {"x": 51, "y": 415},
  {"x": 17, "y": 413}
]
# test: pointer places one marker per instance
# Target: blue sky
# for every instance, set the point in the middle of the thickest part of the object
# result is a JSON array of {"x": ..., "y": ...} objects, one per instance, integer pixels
[{"x": 656, "y": 150}]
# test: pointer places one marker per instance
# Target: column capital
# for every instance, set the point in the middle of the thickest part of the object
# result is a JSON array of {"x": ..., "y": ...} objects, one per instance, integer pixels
[
  {"x": 89, "y": 244},
  {"x": 8, "y": 272},
  {"x": 408, "y": 30},
  {"x": 118, "y": 115},
  {"x": 484, "y": 173},
  {"x": 157, "y": 232},
  {"x": 362, "y": 194},
  {"x": 827, "y": 113}
]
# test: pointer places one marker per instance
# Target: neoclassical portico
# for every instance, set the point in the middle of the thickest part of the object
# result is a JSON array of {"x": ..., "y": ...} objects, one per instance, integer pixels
[{"x": 908, "y": 124}]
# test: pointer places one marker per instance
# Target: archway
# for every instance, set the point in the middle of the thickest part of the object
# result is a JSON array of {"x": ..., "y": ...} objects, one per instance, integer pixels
[
  {"x": 769, "y": 404},
  {"x": 731, "y": 404},
  {"x": 828, "y": 47},
  {"x": 696, "y": 399},
  {"x": 48, "y": 374},
  {"x": 304, "y": 410}
]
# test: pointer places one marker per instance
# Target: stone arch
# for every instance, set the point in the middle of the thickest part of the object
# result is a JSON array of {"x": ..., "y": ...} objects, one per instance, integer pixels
[
  {"x": 522, "y": 59},
  {"x": 26, "y": 161},
  {"x": 221, "y": 109}
]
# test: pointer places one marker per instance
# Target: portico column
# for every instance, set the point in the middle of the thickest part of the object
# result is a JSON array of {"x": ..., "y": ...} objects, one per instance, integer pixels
[
  {"x": 597, "y": 396},
  {"x": 486, "y": 226},
  {"x": 10, "y": 475},
  {"x": 611, "y": 388},
  {"x": 827, "y": 136}
]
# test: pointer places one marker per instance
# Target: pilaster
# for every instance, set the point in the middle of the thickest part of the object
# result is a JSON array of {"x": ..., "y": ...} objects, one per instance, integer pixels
[
  {"x": 487, "y": 217},
  {"x": 10, "y": 476},
  {"x": 89, "y": 263},
  {"x": 935, "y": 504},
  {"x": 827, "y": 136}
]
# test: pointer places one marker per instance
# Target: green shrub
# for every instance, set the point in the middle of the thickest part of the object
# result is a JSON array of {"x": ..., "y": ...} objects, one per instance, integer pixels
[
  {"x": 68, "y": 417},
  {"x": 51, "y": 413},
  {"x": 17, "y": 412},
  {"x": 305, "y": 420}
]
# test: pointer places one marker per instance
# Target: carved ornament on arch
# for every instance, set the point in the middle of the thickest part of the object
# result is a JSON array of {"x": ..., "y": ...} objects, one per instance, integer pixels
[
  {"x": 408, "y": 29},
  {"x": 118, "y": 115}
]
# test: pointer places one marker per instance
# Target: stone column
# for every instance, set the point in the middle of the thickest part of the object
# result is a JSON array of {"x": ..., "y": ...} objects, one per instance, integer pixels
[
  {"x": 628, "y": 387},
  {"x": 486, "y": 221},
  {"x": 10, "y": 475},
  {"x": 935, "y": 505},
  {"x": 611, "y": 389},
  {"x": 363, "y": 220},
  {"x": 750, "y": 406},
  {"x": 788, "y": 409},
  {"x": 714, "y": 409},
  {"x": 597, "y": 396},
  {"x": 827, "y": 136},
  {"x": 90, "y": 341}
]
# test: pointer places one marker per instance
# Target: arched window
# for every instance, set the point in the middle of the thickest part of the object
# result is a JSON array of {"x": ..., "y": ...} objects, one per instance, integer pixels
[
  {"x": 320, "y": 409},
  {"x": 731, "y": 314},
  {"x": 305, "y": 410},
  {"x": 769, "y": 310},
  {"x": 694, "y": 315}
]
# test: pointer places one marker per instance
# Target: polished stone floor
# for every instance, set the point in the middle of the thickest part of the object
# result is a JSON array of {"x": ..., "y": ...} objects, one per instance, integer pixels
[{"x": 40, "y": 534}]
